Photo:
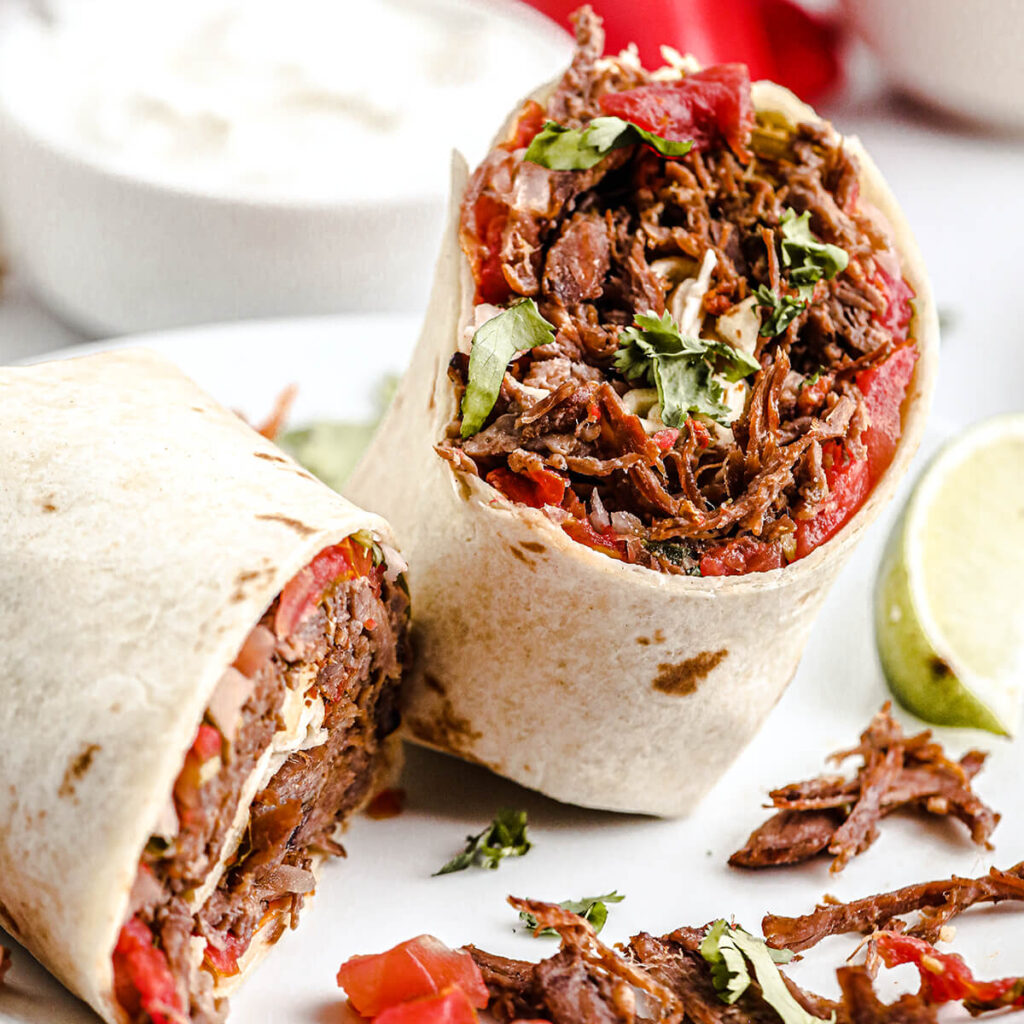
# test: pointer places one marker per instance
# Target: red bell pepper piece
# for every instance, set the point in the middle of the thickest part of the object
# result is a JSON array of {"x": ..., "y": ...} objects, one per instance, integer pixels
[
  {"x": 740, "y": 556},
  {"x": 419, "y": 967},
  {"x": 945, "y": 977},
  {"x": 535, "y": 487},
  {"x": 303, "y": 592},
  {"x": 142, "y": 977}
]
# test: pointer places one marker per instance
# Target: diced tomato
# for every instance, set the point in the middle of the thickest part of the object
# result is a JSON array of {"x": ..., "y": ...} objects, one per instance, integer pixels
[
  {"x": 531, "y": 119},
  {"x": 849, "y": 483},
  {"x": 207, "y": 743},
  {"x": 741, "y": 556},
  {"x": 448, "y": 1007},
  {"x": 303, "y": 592},
  {"x": 490, "y": 216},
  {"x": 666, "y": 439},
  {"x": 535, "y": 487},
  {"x": 898, "y": 313},
  {"x": 608, "y": 541},
  {"x": 225, "y": 960},
  {"x": 142, "y": 977},
  {"x": 698, "y": 432},
  {"x": 419, "y": 967},
  {"x": 884, "y": 388},
  {"x": 945, "y": 977},
  {"x": 708, "y": 107}
]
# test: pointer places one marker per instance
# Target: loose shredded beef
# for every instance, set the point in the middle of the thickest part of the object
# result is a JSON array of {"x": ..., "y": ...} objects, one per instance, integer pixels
[
  {"x": 595, "y": 248},
  {"x": 349, "y": 651},
  {"x": 841, "y": 815},
  {"x": 938, "y": 903},
  {"x": 657, "y": 979}
]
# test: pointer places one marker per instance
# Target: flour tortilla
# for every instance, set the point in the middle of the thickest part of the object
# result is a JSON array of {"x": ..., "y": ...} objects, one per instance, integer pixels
[
  {"x": 596, "y": 682},
  {"x": 145, "y": 530}
]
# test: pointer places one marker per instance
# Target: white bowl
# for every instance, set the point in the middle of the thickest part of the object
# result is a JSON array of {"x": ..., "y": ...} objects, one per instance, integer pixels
[
  {"x": 113, "y": 251},
  {"x": 965, "y": 57}
]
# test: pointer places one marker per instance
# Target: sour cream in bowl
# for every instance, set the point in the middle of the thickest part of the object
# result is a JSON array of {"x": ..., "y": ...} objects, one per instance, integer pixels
[{"x": 163, "y": 164}]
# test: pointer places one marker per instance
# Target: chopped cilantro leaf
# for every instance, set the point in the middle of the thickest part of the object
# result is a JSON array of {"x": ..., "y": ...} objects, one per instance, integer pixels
[
  {"x": 733, "y": 954},
  {"x": 683, "y": 369},
  {"x": 671, "y": 550},
  {"x": 513, "y": 330},
  {"x": 591, "y": 908},
  {"x": 577, "y": 149},
  {"x": 504, "y": 837},
  {"x": 781, "y": 311},
  {"x": 810, "y": 260}
]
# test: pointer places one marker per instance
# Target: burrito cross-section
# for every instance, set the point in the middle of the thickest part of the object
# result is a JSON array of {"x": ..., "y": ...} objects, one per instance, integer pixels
[
  {"x": 680, "y": 350},
  {"x": 200, "y": 670}
]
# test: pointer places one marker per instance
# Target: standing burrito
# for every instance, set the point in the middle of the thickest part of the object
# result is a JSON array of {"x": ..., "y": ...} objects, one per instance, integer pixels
[
  {"x": 201, "y": 653},
  {"x": 679, "y": 353}
]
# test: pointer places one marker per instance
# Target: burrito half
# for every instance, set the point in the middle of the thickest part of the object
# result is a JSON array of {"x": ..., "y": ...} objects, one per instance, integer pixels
[
  {"x": 679, "y": 352},
  {"x": 201, "y": 653}
]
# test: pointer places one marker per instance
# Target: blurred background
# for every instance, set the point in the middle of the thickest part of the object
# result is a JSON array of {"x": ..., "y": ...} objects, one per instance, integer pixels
[{"x": 165, "y": 164}]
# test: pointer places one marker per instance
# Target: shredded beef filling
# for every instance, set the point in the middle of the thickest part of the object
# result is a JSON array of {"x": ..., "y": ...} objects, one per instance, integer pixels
[
  {"x": 595, "y": 248},
  {"x": 350, "y": 651}
]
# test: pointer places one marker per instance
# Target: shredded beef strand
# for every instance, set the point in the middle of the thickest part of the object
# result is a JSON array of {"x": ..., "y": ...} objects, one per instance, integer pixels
[
  {"x": 841, "y": 815},
  {"x": 938, "y": 901}
]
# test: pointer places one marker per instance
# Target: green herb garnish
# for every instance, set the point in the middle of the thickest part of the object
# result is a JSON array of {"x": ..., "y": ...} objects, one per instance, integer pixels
[
  {"x": 671, "y": 550},
  {"x": 591, "y": 908},
  {"x": 733, "y": 953},
  {"x": 577, "y": 149},
  {"x": 810, "y": 260},
  {"x": 682, "y": 368},
  {"x": 781, "y": 311},
  {"x": 513, "y": 330},
  {"x": 504, "y": 837}
]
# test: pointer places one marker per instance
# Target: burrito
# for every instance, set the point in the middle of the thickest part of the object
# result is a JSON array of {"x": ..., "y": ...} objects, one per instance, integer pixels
[
  {"x": 202, "y": 647},
  {"x": 678, "y": 354}
]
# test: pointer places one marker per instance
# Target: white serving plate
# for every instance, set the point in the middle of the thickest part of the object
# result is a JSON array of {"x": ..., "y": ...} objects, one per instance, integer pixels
[{"x": 672, "y": 872}]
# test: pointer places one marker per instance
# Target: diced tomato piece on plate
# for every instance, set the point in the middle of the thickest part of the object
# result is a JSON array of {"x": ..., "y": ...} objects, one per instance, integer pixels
[
  {"x": 452, "y": 1006},
  {"x": 741, "y": 556},
  {"x": 420, "y": 967}
]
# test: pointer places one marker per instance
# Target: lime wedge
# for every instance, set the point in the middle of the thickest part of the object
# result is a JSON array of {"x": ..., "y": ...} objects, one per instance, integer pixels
[{"x": 949, "y": 600}]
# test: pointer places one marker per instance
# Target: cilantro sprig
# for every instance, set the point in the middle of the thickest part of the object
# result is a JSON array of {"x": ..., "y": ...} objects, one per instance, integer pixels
[
  {"x": 504, "y": 837},
  {"x": 684, "y": 369},
  {"x": 513, "y": 330},
  {"x": 733, "y": 954},
  {"x": 560, "y": 148},
  {"x": 809, "y": 260},
  {"x": 591, "y": 908}
]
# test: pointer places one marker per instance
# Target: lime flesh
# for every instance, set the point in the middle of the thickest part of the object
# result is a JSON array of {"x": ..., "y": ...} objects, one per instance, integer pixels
[{"x": 949, "y": 603}]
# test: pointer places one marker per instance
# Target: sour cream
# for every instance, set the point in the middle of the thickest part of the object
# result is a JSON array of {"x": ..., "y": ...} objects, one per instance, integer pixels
[{"x": 315, "y": 100}]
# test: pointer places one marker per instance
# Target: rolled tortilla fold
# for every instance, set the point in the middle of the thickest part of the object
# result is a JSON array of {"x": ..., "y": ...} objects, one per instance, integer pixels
[
  {"x": 201, "y": 652},
  {"x": 596, "y": 682}
]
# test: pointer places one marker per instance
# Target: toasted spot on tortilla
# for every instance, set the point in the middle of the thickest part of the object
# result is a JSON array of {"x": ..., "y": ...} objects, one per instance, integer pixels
[
  {"x": 448, "y": 730},
  {"x": 643, "y": 640},
  {"x": 76, "y": 769},
  {"x": 433, "y": 683},
  {"x": 681, "y": 680},
  {"x": 300, "y": 528},
  {"x": 534, "y": 546},
  {"x": 270, "y": 457},
  {"x": 659, "y": 637},
  {"x": 516, "y": 553}
]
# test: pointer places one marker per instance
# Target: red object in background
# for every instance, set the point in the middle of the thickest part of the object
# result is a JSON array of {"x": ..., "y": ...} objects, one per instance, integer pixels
[{"x": 776, "y": 39}]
